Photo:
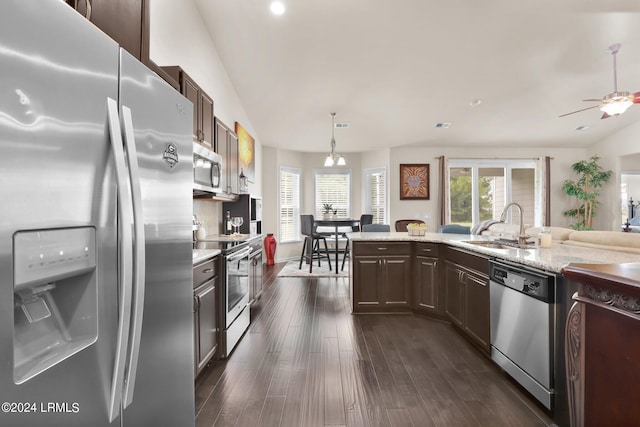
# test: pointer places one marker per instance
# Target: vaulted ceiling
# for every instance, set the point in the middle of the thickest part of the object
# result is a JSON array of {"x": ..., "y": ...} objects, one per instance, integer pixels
[{"x": 393, "y": 69}]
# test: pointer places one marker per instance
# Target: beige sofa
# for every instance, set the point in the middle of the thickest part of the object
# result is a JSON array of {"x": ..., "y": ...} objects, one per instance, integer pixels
[{"x": 607, "y": 240}]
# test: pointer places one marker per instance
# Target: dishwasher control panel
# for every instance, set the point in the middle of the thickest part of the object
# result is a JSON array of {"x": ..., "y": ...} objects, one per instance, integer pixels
[{"x": 522, "y": 279}]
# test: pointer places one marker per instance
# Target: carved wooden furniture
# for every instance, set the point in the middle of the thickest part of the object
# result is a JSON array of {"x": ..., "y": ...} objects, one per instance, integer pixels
[{"x": 602, "y": 344}]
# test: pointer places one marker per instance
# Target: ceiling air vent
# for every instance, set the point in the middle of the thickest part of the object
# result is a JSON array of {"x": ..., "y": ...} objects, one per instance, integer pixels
[
  {"x": 443, "y": 125},
  {"x": 342, "y": 125}
]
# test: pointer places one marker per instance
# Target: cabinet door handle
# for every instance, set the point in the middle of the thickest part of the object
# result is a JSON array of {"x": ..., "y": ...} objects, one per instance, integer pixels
[
  {"x": 207, "y": 270},
  {"x": 382, "y": 249},
  {"x": 426, "y": 250},
  {"x": 196, "y": 304},
  {"x": 435, "y": 266}
]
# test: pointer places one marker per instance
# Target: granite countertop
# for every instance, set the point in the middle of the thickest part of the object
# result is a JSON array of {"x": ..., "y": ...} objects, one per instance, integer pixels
[
  {"x": 200, "y": 255},
  {"x": 550, "y": 259}
]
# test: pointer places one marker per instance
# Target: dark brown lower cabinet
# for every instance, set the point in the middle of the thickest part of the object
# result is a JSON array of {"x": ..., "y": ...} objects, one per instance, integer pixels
[
  {"x": 426, "y": 279},
  {"x": 467, "y": 295},
  {"x": 602, "y": 347},
  {"x": 206, "y": 283},
  {"x": 381, "y": 277}
]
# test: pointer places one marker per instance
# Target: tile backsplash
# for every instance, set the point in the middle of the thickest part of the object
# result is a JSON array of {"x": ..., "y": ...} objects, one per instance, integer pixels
[{"x": 209, "y": 214}]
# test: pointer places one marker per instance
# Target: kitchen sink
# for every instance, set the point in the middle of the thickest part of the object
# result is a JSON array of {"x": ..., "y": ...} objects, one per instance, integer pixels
[{"x": 499, "y": 244}]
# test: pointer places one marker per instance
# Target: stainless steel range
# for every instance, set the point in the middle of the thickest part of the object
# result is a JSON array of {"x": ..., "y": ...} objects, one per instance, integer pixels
[{"x": 235, "y": 293}]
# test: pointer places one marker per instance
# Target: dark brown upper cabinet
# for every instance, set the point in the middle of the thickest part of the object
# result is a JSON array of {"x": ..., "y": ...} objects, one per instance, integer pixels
[
  {"x": 203, "y": 131},
  {"x": 125, "y": 21}
]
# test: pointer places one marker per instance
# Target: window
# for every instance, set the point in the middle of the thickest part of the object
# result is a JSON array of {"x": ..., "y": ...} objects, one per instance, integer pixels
[
  {"x": 289, "y": 224},
  {"x": 375, "y": 194},
  {"x": 333, "y": 187},
  {"x": 480, "y": 189}
]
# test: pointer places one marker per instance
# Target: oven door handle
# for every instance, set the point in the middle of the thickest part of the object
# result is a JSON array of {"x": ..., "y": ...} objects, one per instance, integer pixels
[{"x": 242, "y": 254}]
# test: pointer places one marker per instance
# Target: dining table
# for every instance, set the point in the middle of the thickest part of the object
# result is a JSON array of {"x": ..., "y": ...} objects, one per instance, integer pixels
[{"x": 336, "y": 223}]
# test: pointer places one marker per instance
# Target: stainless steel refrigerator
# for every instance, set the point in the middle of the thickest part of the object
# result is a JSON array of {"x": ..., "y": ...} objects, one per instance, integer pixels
[{"x": 95, "y": 229}]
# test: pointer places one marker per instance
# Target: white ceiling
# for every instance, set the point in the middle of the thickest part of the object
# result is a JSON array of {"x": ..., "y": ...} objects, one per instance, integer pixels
[{"x": 395, "y": 68}]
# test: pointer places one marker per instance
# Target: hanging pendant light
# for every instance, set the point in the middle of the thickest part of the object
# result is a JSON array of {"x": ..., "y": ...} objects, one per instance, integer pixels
[{"x": 333, "y": 158}]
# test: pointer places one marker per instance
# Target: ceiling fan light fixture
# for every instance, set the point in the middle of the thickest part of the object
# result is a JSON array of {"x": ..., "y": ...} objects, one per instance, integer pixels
[
  {"x": 616, "y": 107},
  {"x": 341, "y": 161}
]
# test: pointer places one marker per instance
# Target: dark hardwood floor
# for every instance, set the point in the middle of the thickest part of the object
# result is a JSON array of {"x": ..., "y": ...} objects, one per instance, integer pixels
[{"x": 306, "y": 361}]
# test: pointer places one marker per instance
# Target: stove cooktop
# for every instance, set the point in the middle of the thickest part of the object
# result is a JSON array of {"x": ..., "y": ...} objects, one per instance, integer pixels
[{"x": 223, "y": 242}]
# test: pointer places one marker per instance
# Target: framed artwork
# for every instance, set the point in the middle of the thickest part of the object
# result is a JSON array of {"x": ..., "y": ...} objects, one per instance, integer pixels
[
  {"x": 414, "y": 182},
  {"x": 246, "y": 153}
]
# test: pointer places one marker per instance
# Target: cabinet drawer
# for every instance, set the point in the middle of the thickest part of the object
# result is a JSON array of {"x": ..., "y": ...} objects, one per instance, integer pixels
[
  {"x": 472, "y": 261},
  {"x": 203, "y": 272},
  {"x": 381, "y": 248},
  {"x": 427, "y": 249}
]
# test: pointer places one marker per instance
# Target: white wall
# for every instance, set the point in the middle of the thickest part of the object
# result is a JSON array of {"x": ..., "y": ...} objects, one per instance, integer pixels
[
  {"x": 624, "y": 143},
  {"x": 179, "y": 37}
]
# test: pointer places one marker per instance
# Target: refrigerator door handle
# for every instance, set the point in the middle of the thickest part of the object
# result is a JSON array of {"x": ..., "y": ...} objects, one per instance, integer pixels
[
  {"x": 125, "y": 220},
  {"x": 139, "y": 258}
]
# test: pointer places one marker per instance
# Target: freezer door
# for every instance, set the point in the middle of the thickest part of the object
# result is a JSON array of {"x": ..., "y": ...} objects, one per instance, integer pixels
[
  {"x": 58, "y": 231},
  {"x": 162, "y": 378}
]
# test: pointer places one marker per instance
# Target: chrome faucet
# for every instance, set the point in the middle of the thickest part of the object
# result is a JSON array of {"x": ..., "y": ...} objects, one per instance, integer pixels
[{"x": 522, "y": 238}]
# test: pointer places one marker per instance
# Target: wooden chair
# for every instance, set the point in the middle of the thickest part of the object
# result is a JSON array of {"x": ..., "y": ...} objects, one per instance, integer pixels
[
  {"x": 401, "y": 224},
  {"x": 311, "y": 247}
]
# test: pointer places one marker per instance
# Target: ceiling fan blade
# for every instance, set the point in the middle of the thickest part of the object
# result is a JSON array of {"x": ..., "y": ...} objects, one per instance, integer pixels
[
  {"x": 578, "y": 111},
  {"x": 594, "y": 100},
  {"x": 605, "y": 116}
]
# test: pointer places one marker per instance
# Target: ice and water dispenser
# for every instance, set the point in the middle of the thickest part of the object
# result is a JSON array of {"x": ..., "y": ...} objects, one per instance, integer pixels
[{"x": 55, "y": 297}]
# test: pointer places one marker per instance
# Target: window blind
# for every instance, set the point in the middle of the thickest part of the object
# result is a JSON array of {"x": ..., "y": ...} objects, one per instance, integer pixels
[
  {"x": 333, "y": 187},
  {"x": 289, "y": 223}
]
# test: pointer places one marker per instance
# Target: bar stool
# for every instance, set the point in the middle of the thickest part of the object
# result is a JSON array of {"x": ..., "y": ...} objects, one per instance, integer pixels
[
  {"x": 365, "y": 219},
  {"x": 312, "y": 243}
]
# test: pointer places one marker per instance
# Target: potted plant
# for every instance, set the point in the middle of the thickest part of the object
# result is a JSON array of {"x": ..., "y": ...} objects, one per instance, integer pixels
[
  {"x": 327, "y": 209},
  {"x": 586, "y": 191}
]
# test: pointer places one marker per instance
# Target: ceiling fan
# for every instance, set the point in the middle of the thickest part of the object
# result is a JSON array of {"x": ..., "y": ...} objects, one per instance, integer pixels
[{"x": 616, "y": 102}]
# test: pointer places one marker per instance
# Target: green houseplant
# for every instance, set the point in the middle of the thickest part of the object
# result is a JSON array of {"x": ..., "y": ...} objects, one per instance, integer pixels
[{"x": 586, "y": 191}]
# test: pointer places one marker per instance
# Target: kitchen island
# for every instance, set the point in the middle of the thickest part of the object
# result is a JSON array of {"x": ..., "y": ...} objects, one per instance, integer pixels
[
  {"x": 603, "y": 344},
  {"x": 550, "y": 259},
  {"x": 446, "y": 276}
]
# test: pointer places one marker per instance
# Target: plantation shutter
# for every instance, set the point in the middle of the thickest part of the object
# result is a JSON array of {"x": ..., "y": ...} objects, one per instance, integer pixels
[{"x": 289, "y": 225}]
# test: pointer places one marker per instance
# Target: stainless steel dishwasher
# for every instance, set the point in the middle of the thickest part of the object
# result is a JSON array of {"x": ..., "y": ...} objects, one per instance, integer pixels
[{"x": 522, "y": 327}]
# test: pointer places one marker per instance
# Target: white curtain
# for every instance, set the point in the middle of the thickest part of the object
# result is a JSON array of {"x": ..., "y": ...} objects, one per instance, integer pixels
[{"x": 443, "y": 190}]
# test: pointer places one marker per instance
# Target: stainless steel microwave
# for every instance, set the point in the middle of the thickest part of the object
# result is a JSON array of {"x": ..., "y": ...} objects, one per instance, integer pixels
[{"x": 207, "y": 170}]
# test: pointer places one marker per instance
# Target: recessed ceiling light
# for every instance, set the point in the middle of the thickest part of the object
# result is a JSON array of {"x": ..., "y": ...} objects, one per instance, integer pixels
[
  {"x": 443, "y": 125},
  {"x": 277, "y": 8},
  {"x": 583, "y": 127},
  {"x": 475, "y": 102}
]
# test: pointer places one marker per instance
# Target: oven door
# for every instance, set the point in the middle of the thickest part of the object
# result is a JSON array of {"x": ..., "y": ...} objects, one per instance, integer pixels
[
  {"x": 207, "y": 169},
  {"x": 237, "y": 284}
]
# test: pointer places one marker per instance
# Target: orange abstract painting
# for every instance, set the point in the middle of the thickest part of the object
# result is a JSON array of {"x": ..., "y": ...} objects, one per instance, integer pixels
[
  {"x": 246, "y": 152},
  {"x": 414, "y": 182}
]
